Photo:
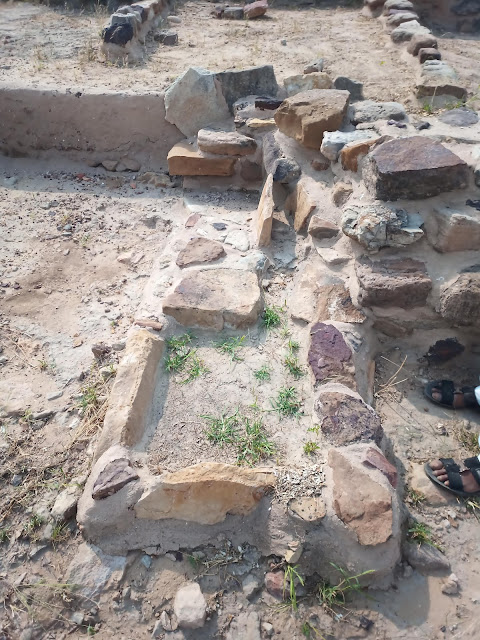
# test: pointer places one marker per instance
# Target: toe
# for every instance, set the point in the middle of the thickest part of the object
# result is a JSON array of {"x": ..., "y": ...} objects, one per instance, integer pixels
[{"x": 435, "y": 465}]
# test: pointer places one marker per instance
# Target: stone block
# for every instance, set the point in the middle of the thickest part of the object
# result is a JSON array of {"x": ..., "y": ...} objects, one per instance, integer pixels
[
  {"x": 461, "y": 117},
  {"x": 437, "y": 78},
  {"x": 422, "y": 41},
  {"x": 301, "y": 204},
  {"x": 307, "y": 82},
  {"x": 263, "y": 218},
  {"x": 253, "y": 81},
  {"x": 205, "y": 493},
  {"x": 306, "y": 116},
  {"x": 412, "y": 168},
  {"x": 212, "y": 298},
  {"x": 227, "y": 143},
  {"x": 335, "y": 304},
  {"x": 329, "y": 355},
  {"x": 334, "y": 141},
  {"x": 399, "y": 17},
  {"x": 320, "y": 228},
  {"x": 400, "y": 283},
  {"x": 198, "y": 251},
  {"x": 370, "y": 111},
  {"x": 255, "y": 9},
  {"x": 406, "y": 31},
  {"x": 460, "y": 300},
  {"x": 451, "y": 230},
  {"x": 190, "y": 607},
  {"x": 352, "y": 151},
  {"x": 276, "y": 162},
  {"x": 354, "y": 87},
  {"x": 428, "y": 54},
  {"x": 185, "y": 159}
]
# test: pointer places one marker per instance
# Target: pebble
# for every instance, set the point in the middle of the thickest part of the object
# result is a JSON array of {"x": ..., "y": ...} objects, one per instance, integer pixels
[
  {"x": 3, "y": 360},
  {"x": 77, "y": 618},
  {"x": 283, "y": 43},
  {"x": 146, "y": 561},
  {"x": 66, "y": 252},
  {"x": 16, "y": 480},
  {"x": 55, "y": 395}
]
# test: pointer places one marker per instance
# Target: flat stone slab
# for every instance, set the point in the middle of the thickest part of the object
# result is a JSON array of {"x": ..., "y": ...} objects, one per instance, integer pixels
[
  {"x": 459, "y": 117},
  {"x": 451, "y": 229},
  {"x": 437, "y": 78},
  {"x": 406, "y": 31},
  {"x": 205, "y": 493},
  {"x": 413, "y": 168},
  {"x": 185, "y": 159},
  {"x": 370, "y": 111},
  {"x": 263, "y": 217},
  {"x": 114, "y": 477},
  {"x": 460, "y": 301},
  {"x": 329, "y": 354},
  {"x": 212, "y": 298},
  {"x": 200, "y": 250},
  {"x": 228, "y": 143},
  {"x": 307, "y": 115},
  {"x": 393, "y": 283},
  {"x": 307, "y": 82}
]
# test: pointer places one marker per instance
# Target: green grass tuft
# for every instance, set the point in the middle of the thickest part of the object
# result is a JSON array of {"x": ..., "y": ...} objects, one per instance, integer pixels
[
  {"x": 182, "y": 358},
  {"x": 230, "y": 346},
  {"x": 287, "y": 402},
  {"x": 262, "y": 374},
  {"x": 271, "y": 318},
  {"x": 310, "y": 447}
]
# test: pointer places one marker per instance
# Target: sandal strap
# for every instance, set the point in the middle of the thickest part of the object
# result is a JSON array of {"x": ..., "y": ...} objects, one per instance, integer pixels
[
  {"x": 447, "y": 390},
  {"x": 455, "y": 481},
  {"x": 469, "y": 397},
  {"x": 472, "y": 463},
  {"x": 475, "y": 471},
  {"x": 450, "y": 465}
]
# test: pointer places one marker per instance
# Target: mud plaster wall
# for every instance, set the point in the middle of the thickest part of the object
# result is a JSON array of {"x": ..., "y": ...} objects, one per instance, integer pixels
[{"x": 86, "y": 125}]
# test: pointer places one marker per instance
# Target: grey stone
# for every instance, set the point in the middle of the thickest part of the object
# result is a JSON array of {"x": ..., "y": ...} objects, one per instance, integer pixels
[
  {"x": 77, "y": 618},
  {"x": 421, "y": 41},
  {"x": 451, "y": 586},
  {"x": 250, "y": 586},
  {"x": 375, "y": 226},
  {"x": 65, "y": 505},
  {"x": 334, "y": 141},
  {"x": 194, "y": 101},
  {"x": 307, "y": 82},
  {"x": 429, "y": 54},
  {"x": 406, "y": 31},
  {"x": 460, "y": 300},
  {"x": 399, "y": 5},
  {"x": 91, "y": 569},
  {"x": 461, "y": 117},
  {"x": 238, "y": 239},
  {"x": 259, "y": 81},
  {"x": 233, "y": 13},
  {"x": 354, "y": 87},
  {"x": 168, "y": 37},
  {"x": 146, "y": 560},
  {"x": 190, "y": 606},
  {"x": 114, "y": 477},
  {"x": 16, "y": 480},
  {"x": 437, "y": 78},
  {"x": 55, "y": 395},
  {"x": 245, "y": 626},
  {"x": 370, "y": 111},
  {"x": 314, "y": 67},
  {"x": 425, "y": 558},
  {"x": 282, "y": 168},
  {"x": 399, "y": 17}
]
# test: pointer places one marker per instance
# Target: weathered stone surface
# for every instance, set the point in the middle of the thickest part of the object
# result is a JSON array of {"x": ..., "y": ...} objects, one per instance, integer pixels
[
  {"x": 320, "y": 228},
  {"x": 194, "y": 101},
  {"x": 132, "y": 392},
  {"x": 407, "y": 30},
  {"x": 114, "y": 477},
  {"x": 186, "y": 159},
  {"x": 370, "y": 111},
  {"x": 228, "y": 143},
  {"x": 245, "y": 625},
  {"x": 451, "y": 586},
  {"x": 307, "y": 509},
  {"x": 334, "y": 141},
  {"x": 233, "y": 13},
  {"x": 306, "y": 116},
  {"x": 301, "y": 204},
  {"x": 451, "y": 230},
  {"x": 314, "y": 67},
  {"x": 255, "y": 9},
  {"x": 361, "y": 503},
  {"x": 397, "y": 5},
  {"x": 429, "y": 54},
  {"x": 376, "y": 460},
  {"x": 250, "y": 171},
  {"x": 437, "y": 78},
  {"x": 425, "y": 558},
  {"x": 238, "y": 238},
  {"x": 93, "y": 571},
  {"x": 205, "y": 493},
  {"x": 354, "y": 87},
  {"x": 344, "y": 417},
  {"x": 274, "y": 583},
  {"x": 460, "y": 301},
  {"x": 263, "y": 218},
  {"x": 200, "y": 250},
  {"x": 411, "y": 168},
  {"x": 351, "y": 152},
  {"x": 215, "y": 297},
  {"x": 335, "y": 304},
  {"x": 393, "y": 283},
  {"x": 329, "y": 355},
  {"x": 399, "y": 17},
  {"x": 421, "y": 41},
  {"x": 303, "y": 300},
  {"x": 65, "y": 505},
  {"x": 307, "y": 82},
  {"x": 190, "y": 606},
  {"x": 375, "y": 226},
  {"x": 341, "y": 193},
  {"x": 461, "y": 117},
  {"x": 275, "y": 161},
  {"x": 254, "y": 81},
  {"x": 168, "y": 37}
]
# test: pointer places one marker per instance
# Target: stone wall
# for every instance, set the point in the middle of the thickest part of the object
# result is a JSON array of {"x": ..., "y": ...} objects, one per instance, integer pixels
[{"x": 454, "y": 15}]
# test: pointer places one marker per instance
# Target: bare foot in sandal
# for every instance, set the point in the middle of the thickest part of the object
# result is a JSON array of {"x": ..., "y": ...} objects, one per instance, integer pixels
[
  {"x": 447, "y": 394},
  {"x": 468, "y": 482}
]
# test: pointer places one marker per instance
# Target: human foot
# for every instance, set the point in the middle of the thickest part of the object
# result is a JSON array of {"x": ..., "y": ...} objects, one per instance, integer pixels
[
  {"x": 445, "y": 393},
  {"x": 469, "y": 483}
]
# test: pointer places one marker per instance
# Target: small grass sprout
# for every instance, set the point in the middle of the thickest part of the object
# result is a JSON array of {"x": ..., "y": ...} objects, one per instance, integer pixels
[
  {"x": 182, "y": 358},
  {"x": 287, "y": 402},
  {"x": 253, "y": 444},
  {"x": 289, "y": 588},
  {"x": 222, "y": 430},
  {"x": 4, "y": 535},
  {"x": 414, "y": 497},
  {"x": 310, "y": 447},
  {"x": 60, "y": 533},
  {"x": 335, "y": 595},
  {"x": 230, "y": 346},
  {"x": 420, "y": 533},
  {"x": 293, "y": 367},
  {"x": 262, "y": 374},
  {"x": 271, "y": 318}
]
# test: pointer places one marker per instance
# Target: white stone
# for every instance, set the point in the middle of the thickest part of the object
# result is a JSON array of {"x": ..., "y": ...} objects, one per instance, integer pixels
[
  {"x": 238, "y": 239},
  {"x": 190, "y": 606},
  {"x": 334, "y": 141}
]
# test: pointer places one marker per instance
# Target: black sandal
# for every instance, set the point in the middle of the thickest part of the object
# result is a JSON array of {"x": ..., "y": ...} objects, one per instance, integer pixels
[
  {"x": 447, "y": 390},
  {"x": 455, "y": 477}
]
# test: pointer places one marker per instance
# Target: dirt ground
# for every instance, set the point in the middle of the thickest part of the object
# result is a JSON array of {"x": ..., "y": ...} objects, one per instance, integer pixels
[
  {"x": 46, "y": 47},
  {"x": 63, "y": 290}
]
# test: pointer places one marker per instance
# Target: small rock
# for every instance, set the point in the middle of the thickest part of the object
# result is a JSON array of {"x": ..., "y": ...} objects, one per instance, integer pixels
[
  {"x": 77, "y": 618},
  {"x": 429, "y": 54},
  {"x": 16, "y": 480},
  {"x": 320, "y": 228},
  {"x": 55, "y": 395},
  {"x": 422, "y": 41},
  {"x": 268, "y": 629},
  {"x": 314, "y": 67},
  {"x": 238, "y": 239},
  {"x": 307, "y": 82},
  {"x": 461, "y": 117},
  {"x": 425, "y": 558},
  {"x": 168, "y": 37},
  {"x": 294, "y": 553},
  {"x": 110, "y": 165},
  {"x": 451, "y": 586},
  {"x": 341, "y": 193},
  {"x": 114, "y": 477},
  {"x": 255, "y": 9},
  {"x": 146, "y": 561},
  {"x": 274, "y": 583},
  {"x": 190, "y": 606},
  {"x": 354, "y": 87},
  {"x": 65, "y": 505},
  {"x": 219, "y": 226},
  {"x": 250, "y": 586},
  {"x": 233, "y": 13}
]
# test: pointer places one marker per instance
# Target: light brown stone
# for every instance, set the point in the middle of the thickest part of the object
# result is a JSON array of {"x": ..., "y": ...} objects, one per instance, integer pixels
[
  {"x": 320, "y": 228},
  {"x": 212, "y": 298},
  {"x": 335, "y": 303},
  {"x": 307, "y": 82},
  {"x": 341, "y": 193},
  {"x": 228, "y": 143},
  {"x": 303, "y": 301},
  {"x": 360, "y": 502},
  {"x": 451, "y": 230},
  {"x": 200, "y": 250},
  {"x": 308, "y": 509},
  {"x": 132, "y": 392},
  {"x": 301, "y": 204},
  {"x": 186, "y": 159},
  {"x": 263, "y": 218},
  {"x": 351, "y": 152},
  {"x": 307, "y": 115},
  {"x": 205, "y": 493}
]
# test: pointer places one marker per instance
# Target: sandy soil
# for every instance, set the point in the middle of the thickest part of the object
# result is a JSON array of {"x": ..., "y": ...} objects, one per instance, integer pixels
[{"x": 47, "y": 47}]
